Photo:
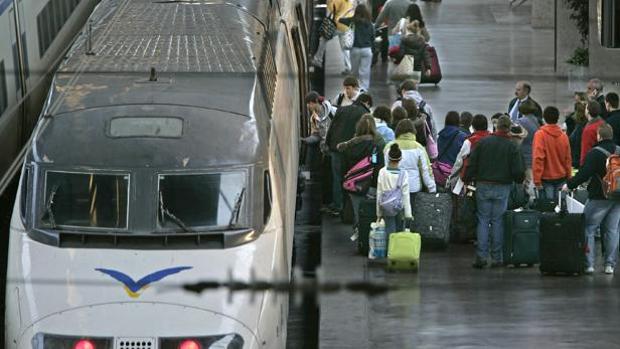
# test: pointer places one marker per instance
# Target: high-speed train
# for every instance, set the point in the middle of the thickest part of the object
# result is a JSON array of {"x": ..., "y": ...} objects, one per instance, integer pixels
[
  {"x": 46, "y": 28},
  {"x": 167, "y": 153}
]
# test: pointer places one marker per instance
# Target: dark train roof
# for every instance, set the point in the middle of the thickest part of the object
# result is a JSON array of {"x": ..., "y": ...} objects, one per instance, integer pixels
[{"x": 206, "y": 56}]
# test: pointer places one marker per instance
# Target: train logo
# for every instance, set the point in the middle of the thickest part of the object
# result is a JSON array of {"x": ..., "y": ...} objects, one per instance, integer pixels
[{"x": 135, "y": 288}]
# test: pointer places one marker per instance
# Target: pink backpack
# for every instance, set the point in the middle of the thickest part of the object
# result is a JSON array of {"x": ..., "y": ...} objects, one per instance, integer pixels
[{"x": 358, "y": 179}]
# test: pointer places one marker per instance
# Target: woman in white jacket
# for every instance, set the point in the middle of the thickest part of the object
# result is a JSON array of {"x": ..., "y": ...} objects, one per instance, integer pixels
[{"x": 415, "y": 159}]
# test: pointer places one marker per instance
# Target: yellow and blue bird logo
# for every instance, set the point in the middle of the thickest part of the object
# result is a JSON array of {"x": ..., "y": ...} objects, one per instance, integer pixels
[{"x": 135, "y": 288}]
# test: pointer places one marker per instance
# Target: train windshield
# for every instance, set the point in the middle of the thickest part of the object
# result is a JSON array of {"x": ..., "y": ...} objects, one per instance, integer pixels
[
  {"x": 214, "y": 200},
  {"x": 86, "y": 200}
]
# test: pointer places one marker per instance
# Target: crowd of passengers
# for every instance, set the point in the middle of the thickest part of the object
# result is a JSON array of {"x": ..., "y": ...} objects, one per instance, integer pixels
[{"x": 529, "y": 146}]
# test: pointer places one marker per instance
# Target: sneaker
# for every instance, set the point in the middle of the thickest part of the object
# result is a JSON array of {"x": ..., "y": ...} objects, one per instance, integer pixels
[
  {"x": 479, "y": 263},
  {"x": 609, "y": 269},
  {"x": 355, "y": 235},
  {"x": 589, "y": 270}
]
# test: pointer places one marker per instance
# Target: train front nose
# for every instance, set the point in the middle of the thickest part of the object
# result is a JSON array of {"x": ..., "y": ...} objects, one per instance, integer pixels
[{"x": 149, "y": 325}]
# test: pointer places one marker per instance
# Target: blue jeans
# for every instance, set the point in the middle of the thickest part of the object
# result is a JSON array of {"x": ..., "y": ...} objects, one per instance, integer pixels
[
  {"x": 606, "y": 215},
  {"x": 550, "y": 190},
  {"x": 356, "y": 200},
  {"x": 492, "y": 202},
  {"x": 393, "y": 224},
  {"x": 336, "y": 162}
]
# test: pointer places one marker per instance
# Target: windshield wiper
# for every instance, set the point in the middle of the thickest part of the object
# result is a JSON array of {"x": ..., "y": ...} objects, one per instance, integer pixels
[
  {"x": 165, "y": 212},
  {"x": 234, "y": 217},
  {"x": 49, "y": 206}
]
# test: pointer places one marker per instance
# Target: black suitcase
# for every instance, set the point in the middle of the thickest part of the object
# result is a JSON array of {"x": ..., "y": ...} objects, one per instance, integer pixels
[
  {"x": 562, "y": 243},
  {"x": 367, "y": 215},
  {"x": 464, "y": 219},
  {"x": 432, "y": 214},
  {"x": 521, "y": 237}
]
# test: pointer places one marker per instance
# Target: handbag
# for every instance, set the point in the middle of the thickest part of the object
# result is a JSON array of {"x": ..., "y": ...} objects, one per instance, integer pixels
[
  {"x": 442, "y": 170},
  {"x": 403, "y": 70},
  {"x": 348, "y": 38},
  {"x": 328, "y": 27},
  {"x": 358, "y": 179}
]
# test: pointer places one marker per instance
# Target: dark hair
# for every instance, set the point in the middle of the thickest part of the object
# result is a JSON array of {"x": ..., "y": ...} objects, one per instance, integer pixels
[
  {"x": 404, "y": 126},
  {"x": 313, "y": 97},
  {"x": 366, "y": 126},
  {"x": 362, "y": 14},
  {"x": 395, "y": 154},
  {"x": 503, "y": 123},
  {"x": 398, "y": 114},
  {"x": 411, "y": 107},
  {"x": 527, "y": 86},
  {"x": 580, "y": 113},
  {"x": 351, "y": 81},
  {"x": 551, "y": 115},
  {"x": 612, "y": 99},
  {"x": 383, "y": 112},
  {"x": 466, "y": 119},
  {"x": 605, "y": 131},
  {"x": 408, "y": 85},
  {"x": 414, "y": 13},
  {"x": 365, "y": 98},
  {"x": 594, "y": 109},
  {"x": 496, "y": 116},
  {"x": 480, "y": 122},
  {"x": 528, "y": 107},
  {"x": 452, "y": 119}
]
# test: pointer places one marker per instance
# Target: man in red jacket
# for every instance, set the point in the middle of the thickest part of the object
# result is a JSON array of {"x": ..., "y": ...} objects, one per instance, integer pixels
[
  {"x": 551, "y": 159},
  {"x": 588, "y": 137}
]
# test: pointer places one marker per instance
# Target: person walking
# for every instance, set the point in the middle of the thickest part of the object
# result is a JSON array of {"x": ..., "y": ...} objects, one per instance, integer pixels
[
  {"x": 599, "y": 212},
  {"x": 551, "y": 164},
  {"x": 494, "y": 165},
  {"x": 363, "y": 41},
  {"x": 339, "y": 9},
  {"x": 342, "y": 129},
  {"x": 391, "y": 13}
]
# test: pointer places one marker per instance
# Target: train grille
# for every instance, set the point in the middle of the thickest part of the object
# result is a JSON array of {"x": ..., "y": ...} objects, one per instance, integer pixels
[{"x": 135, "y": 343}]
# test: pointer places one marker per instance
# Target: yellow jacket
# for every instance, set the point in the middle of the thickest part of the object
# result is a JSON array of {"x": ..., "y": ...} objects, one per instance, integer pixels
[{"x": 342, "y": 9}]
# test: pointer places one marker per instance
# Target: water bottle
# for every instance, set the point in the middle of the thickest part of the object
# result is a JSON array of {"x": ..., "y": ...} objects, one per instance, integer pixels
[
  {"x": 380, "y": 240},
  {"x": 371, "y": 241}
]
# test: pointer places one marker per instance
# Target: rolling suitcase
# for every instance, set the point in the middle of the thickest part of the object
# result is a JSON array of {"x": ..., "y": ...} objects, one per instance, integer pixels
[
  {"x": 367, "y": 215},
  {"x": 464, "y": 219},
  {"x": 562, "y": 242},
  {"x": 404, "y": 251},
  {"x": 521, "y": 237},
  {"x": 435, "y": 76},
  {"x": 431, "y": 217}
]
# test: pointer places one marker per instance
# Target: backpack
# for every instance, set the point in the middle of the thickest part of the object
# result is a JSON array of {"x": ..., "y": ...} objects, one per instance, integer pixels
[
  {"x": 611, "y": 182},
  {"x": 357, "y": 180},
  {"x": 391, "y": 201},
  {"x": 427, "y": 117}
]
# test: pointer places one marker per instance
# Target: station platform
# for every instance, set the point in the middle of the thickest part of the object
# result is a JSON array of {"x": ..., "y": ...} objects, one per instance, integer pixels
[{"x": 484, "y": 48}]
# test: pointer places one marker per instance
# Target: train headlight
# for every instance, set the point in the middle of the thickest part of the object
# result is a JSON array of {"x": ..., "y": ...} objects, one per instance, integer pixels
[
  {"x": 190, "y": 344},
  {"x": 228, "y": 341},
  {"x": 45, "y": 340}
]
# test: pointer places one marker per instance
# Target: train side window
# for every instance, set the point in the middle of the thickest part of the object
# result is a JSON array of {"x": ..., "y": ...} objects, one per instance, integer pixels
[
  {"x": 300, "y": 57},
  {"x": 3, "y": 93},
  {"x": 267, "y": 198},
  {"x": 24, "y": 193}
]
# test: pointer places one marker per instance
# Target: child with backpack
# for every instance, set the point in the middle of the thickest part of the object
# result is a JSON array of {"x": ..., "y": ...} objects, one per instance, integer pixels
[{"x": 393, "y": 193}]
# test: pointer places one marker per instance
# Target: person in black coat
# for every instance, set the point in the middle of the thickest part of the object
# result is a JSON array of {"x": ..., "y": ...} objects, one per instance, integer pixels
[
  {"x": 494, "y": 165},
  {"x": 613, "y": 114},
  {"x": 599, "y": 212},
  {"x": 341, "y": 129},
  {"x": 522, "y": 93}
]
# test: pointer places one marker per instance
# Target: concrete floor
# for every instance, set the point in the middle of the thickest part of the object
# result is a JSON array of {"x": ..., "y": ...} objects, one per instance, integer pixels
[{"x": 483, "y": 48}]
